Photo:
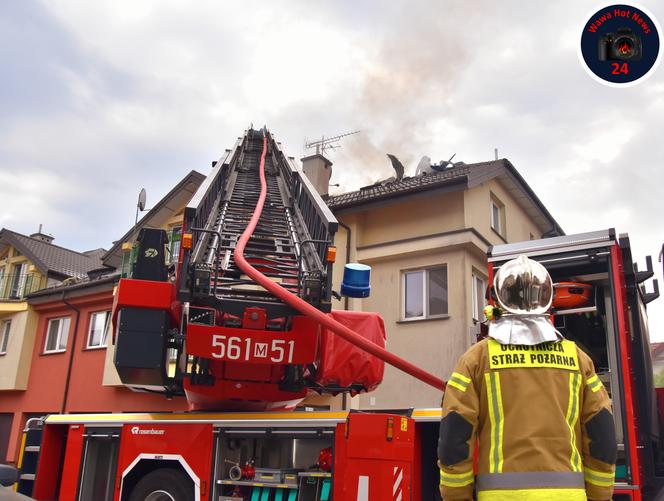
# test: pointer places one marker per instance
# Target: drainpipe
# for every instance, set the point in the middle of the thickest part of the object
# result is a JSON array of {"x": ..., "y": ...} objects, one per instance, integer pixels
[
  {"x": 71, "y": 355},
  {"x": 344, "y": 396},
  {"x": 348, "y": 235}
]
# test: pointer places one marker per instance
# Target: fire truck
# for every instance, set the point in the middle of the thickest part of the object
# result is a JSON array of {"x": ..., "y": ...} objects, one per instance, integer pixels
[{"x": 243, "y": 328}]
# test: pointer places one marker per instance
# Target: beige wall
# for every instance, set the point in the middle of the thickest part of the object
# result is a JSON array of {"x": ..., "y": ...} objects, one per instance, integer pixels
[
  {"x": 110, "y": 376},
  {"x": 434, "y": 345},
  {"x": 518, "y": 225},
  {"x": 15, "y": 364},
  {"x": 413, "y": 218}
]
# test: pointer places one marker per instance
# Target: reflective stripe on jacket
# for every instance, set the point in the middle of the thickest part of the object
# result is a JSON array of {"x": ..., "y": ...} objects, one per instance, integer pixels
[{"x": 543, "y": 421}]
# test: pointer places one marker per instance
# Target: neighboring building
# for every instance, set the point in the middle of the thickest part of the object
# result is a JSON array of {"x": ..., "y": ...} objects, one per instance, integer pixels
[
  {"x": 28, "y": 264},
  {"x": 62, "y": 354},
  {"x": 657, "y": 354},
  {"x": 426, "y": 239},
  {"x": 166, "y": 214}
]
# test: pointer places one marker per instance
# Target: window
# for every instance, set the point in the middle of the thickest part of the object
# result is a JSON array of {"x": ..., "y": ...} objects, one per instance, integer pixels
[
  {"x": 56, "y": 335},
  {"x": 4, "y": 335},
  {"x": 3, "y": 283},
  {"x": 497, "y": 216},
  {"x": 175, "y": 237},
  {"x": 479, "y": 297},
  {"x": 98, "y": 333},
  {"x": 18, "y": 281},
  {"x": 424, "y": 293}
]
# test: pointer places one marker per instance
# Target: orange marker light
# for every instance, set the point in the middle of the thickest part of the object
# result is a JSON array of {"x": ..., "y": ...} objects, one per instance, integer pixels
[
  {"x": 331, "y": 254},
  {"x": 187, "y": 241}
]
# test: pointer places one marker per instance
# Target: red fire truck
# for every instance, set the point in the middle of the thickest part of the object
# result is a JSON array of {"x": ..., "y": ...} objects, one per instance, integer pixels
[{"x": 252, "y": 333}]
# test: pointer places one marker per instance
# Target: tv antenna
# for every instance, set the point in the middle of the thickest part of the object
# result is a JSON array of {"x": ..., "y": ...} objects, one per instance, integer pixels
[{"x": 328, "y": 143}]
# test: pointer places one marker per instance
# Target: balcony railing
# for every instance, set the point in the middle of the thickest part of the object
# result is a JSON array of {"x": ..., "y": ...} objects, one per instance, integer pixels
[{"x": 16, "y": 286}]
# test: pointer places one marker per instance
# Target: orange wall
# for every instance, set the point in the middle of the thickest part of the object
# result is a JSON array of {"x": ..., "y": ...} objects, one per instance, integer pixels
[{"x": 48, "y": 374}]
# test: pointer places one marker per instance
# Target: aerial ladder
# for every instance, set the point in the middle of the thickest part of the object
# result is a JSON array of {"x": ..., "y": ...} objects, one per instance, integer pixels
[{"x": 244, "y": 320}]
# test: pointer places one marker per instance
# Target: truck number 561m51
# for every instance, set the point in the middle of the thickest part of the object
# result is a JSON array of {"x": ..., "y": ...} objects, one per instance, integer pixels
[{"x": 233, "y": 348}]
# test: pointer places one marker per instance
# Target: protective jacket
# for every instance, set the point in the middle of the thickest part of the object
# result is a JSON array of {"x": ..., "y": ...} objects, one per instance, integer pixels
[{"x": 542, "y": 419}]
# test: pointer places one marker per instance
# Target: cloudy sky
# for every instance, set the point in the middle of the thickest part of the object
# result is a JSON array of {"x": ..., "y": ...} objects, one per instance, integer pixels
[{"x": 99, "y": 99}]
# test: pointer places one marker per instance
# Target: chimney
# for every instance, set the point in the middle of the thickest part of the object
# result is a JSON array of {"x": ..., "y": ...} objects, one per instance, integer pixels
[
  {"x": 318, "y": 170},
  {"x": 42, "y": 236}
]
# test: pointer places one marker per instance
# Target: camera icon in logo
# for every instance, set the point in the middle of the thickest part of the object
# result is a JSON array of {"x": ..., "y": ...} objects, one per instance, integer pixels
[{"x": 623, "y": 45}]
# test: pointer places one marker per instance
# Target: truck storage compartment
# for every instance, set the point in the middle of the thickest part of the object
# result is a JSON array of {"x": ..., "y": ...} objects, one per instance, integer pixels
[
  {"x": 343, "y": 364},
  {"x": 140, "y": 352},
  {"x": 273, "y": 464}
]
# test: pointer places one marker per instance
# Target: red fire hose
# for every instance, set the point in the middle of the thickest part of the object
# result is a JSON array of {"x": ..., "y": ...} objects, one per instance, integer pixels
[{"x": 308, "y": 310}]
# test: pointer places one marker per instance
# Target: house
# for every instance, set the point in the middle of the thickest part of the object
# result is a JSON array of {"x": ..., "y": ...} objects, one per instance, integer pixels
[
  {"x": 59, "y": 358},
  {"x": 426, "y": 239},
  {"x": 657, "y": 354}
]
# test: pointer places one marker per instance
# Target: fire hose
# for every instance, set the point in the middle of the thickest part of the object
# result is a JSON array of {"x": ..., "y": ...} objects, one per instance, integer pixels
[{"x": 310, "y": 311}]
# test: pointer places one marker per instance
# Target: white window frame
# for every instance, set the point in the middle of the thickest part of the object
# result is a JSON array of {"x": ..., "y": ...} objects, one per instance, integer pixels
[
  {"x": 478, "y": 296},
  {"x": 103, "y": 340},
  {"x": 63, "y": 321},
  {"x": 5, "y": 327},
  {"x": 425, "y": 293},
  {"x": 497, "y": 225}
]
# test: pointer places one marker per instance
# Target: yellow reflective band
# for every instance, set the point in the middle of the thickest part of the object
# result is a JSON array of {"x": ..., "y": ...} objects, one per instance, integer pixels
[
  {"x": 533, "y": 495},
  {"x": 463, "y": 378},
  {"x": 559, "y": 355},
  {"x": 495, "y": 404},
  {"x": 459, "y": 381},
  {"x": 572, "y": 417},
  {"x": 594, "y": 383},
  {"x": 595, "y": 387},
  {"x": 599, "y": 478},
  {"x": 458, "y": 386},
  {"x": 456, "y": 479}
]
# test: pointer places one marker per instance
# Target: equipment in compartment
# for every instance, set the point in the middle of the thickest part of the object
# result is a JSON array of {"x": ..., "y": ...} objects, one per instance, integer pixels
[
  {"x": 286, "y": 468},
  {"x": 571, "y": 295}
]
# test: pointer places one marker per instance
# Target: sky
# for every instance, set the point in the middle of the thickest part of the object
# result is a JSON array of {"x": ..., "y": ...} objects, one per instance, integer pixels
[{"x": 100, "y": 99}]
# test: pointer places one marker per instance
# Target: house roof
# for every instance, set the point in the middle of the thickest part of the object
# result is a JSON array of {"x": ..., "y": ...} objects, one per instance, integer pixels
[
  {"x": 462, "y": 176},
  {"x": 50, "y": 258},
  {"x": 162, "y": 211}
]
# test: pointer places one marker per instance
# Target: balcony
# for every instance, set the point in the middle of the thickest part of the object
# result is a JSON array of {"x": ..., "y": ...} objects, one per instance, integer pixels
[{"x": 15, "y": 287}]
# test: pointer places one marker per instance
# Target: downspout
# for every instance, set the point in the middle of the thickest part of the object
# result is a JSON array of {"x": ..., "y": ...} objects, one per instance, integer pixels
[
  {"x": 344, "y": 396},
  {"x": 73, "y": 349},
  {"x": 348, "y": 235}
]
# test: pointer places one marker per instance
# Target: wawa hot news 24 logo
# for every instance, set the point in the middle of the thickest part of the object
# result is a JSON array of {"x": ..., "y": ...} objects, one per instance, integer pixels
[{"x": 620, "y": 45}]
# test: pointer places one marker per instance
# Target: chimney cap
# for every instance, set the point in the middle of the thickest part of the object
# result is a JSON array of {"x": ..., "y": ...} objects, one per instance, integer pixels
[{"x": 327, "y": 161}]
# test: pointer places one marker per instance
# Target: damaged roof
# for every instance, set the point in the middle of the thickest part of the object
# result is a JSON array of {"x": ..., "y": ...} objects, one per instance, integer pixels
[{"x": 460, "y": 176}]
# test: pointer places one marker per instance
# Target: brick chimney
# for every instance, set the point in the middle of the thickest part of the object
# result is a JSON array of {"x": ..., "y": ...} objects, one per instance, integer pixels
[{"x": 318, "y": 170}]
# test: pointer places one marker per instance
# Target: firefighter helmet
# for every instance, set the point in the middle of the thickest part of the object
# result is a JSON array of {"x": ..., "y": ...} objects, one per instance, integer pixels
[{"x": 523, "y": 287}]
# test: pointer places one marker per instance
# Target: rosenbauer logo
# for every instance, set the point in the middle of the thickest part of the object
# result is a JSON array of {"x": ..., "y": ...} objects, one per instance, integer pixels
[
  {"x": 620, "y": 45},
  {"x": 135, "y": 430}
]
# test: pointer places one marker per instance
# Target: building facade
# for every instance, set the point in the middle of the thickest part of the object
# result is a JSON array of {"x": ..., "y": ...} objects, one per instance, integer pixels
[
  {"x": 58, "y": 354},
  {"x": 426, "y": 239}
]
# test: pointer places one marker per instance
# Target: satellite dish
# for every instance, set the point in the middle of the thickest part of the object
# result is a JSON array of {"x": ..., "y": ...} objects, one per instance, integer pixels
[{"x": 141, "y": 200}]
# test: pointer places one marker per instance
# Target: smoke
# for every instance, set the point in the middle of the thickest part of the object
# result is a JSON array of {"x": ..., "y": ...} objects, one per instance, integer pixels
[{"x": 409, "y": 77}]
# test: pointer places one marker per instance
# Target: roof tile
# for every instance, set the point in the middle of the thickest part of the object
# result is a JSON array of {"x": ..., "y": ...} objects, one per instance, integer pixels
[{"x": 53, "y": 257}]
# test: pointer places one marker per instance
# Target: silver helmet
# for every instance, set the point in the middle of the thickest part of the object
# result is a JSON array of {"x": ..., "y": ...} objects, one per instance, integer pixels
[{"x": 523, "y": 286}]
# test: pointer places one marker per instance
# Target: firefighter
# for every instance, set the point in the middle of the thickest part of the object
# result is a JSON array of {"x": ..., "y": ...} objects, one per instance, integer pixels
[{"x": 532, "y": 401}]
